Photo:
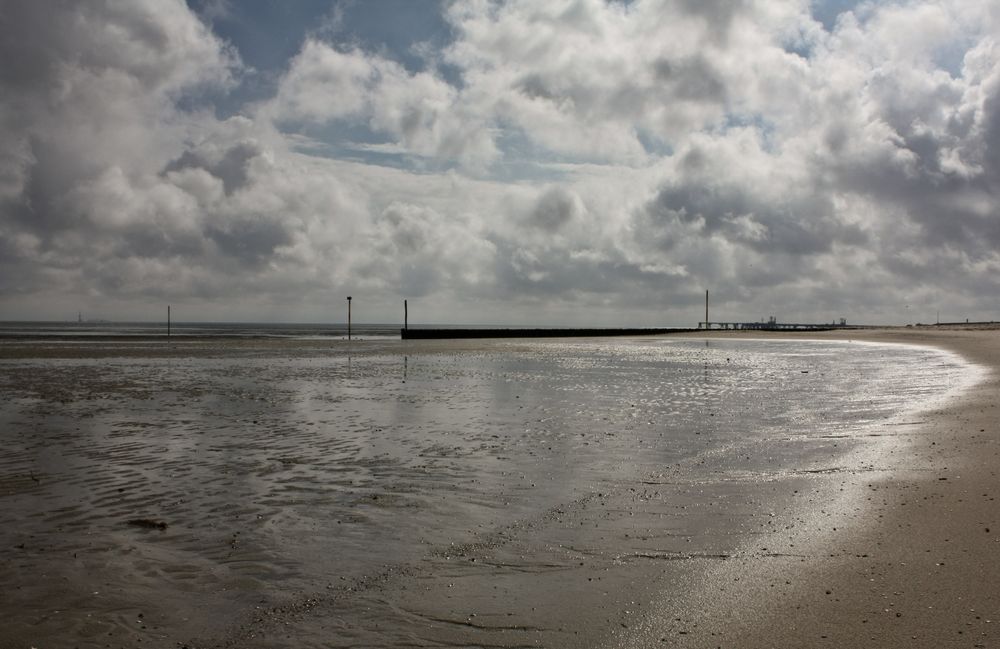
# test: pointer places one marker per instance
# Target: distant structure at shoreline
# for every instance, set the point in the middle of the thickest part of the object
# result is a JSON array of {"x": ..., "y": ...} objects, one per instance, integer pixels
[
  {"x": 441, "y": 334},
  {"x": 772, "y": 324}
]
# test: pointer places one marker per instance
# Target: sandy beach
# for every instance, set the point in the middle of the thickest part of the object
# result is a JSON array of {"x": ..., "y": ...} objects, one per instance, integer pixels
[
  {"x": 932, "y": 535},
  {"x": 896, "y": 550},
  {"x": 912, "y": 565}
]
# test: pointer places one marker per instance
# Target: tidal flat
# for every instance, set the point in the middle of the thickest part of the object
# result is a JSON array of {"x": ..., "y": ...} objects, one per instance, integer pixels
[{"x": 324, "y": 493}]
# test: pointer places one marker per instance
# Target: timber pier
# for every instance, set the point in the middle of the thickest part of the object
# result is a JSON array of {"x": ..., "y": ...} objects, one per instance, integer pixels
[
  {"x": 772, "y": 324},
  {"x": 767, "y": 326}
]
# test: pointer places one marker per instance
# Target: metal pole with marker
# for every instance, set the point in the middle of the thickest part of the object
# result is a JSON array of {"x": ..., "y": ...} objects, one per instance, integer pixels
[{"x": 348, "y": 317}]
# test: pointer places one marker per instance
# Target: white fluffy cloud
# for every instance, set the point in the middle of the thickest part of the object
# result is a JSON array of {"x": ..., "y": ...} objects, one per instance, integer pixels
[
  {"x": 553, "y": 159},
  {"x": 422, "y": 114}
]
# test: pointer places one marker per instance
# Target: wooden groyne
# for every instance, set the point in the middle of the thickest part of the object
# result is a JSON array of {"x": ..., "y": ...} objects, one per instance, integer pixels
[{"x": 441, "y": 334}]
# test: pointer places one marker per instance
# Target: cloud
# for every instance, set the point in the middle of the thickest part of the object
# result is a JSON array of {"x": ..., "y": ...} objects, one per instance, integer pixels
[
  {"x": 419, "y": 251},
  {"x": 420, "y": 112},
  {"x": 230, "y": 166},
  {"x": 88, "y": 111},
  {"x": 552, "y": 159},
  {"x": 556, "y": 209},
  {"x": 623, "y": 72}
]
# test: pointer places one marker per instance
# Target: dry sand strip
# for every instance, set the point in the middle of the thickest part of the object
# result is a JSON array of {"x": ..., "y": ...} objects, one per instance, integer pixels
[{"x": 908, "y": 557}]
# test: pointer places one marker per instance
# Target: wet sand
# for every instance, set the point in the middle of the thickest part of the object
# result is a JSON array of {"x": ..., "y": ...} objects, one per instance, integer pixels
[
  {"x": 898, "y": 553},
  {"x": 913, "y": 563}
]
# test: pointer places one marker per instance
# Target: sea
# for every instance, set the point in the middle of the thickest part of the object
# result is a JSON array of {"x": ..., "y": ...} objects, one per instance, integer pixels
[
  {"x": 101, "y": 328},
  {"x": 262, "y": 485}
]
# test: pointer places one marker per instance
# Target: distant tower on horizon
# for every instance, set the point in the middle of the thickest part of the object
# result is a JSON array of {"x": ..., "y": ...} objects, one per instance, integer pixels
[{"x": 79, "y": 317}]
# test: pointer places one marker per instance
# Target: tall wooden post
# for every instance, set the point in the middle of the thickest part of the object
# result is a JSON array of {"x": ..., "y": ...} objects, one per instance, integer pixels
[
  {"x": 406, "y": 316},
  {"x": 706, "y": 308},
  {"x": 348, "y": 317}
]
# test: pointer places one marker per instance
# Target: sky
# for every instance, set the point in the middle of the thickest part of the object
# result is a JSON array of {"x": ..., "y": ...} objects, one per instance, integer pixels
[{"x": 592, "y": 162}]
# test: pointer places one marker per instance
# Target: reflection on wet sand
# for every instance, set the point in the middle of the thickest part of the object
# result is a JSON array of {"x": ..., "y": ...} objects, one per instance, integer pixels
[{"x": 298, "y": 495}]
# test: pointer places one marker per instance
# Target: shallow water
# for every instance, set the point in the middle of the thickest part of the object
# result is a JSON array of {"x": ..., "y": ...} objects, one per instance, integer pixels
[{"x": 289, "y": 473}]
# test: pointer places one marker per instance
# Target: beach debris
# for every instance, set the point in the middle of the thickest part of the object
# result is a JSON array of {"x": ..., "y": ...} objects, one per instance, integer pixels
[{"x": 148, "y": 523}]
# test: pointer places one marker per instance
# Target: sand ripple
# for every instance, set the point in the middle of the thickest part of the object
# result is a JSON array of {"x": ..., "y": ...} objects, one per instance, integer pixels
[{"x": 279, "y": 474}]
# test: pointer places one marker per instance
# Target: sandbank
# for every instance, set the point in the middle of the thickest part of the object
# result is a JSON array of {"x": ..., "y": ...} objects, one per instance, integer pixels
[
  {"x": 913, "y": 563},
  {"x": 898, "y": 555}
]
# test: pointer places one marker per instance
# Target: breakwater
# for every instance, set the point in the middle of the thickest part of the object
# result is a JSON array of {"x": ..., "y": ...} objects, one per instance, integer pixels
[{"x": 439, "y": 334}]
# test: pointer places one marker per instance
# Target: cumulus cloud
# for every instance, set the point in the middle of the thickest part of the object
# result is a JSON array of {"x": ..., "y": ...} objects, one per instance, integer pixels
[
  {"x": 419, "y": 251},
  {"x": 419, "y": 112},
  {"x": 87, "y": 114},
  {"x": 121, "y": 188},
  {"x": 552, "y": 159},
  {"x": 621, "y": 73}
]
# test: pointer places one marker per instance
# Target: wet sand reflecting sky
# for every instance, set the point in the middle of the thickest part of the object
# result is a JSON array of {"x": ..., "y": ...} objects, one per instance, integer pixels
[{"x": 285, "y": 472}]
